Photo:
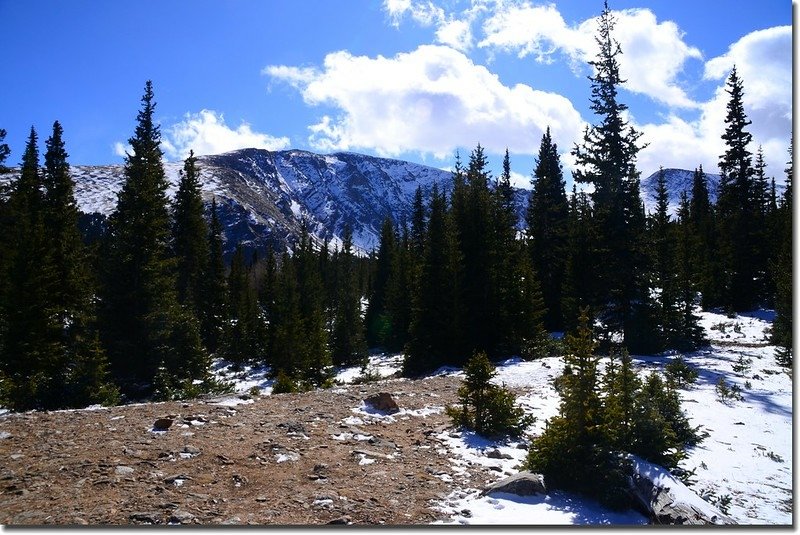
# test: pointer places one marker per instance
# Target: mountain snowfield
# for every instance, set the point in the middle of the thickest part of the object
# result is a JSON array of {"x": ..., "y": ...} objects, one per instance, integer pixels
[
  {"x": 264, "y": 196},
  {"x": 743, "y": 467}
]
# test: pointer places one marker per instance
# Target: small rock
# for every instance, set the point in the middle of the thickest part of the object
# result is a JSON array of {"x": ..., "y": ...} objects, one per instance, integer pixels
[
  {"x": 123, "y": 470},
  {"x": 466, "y": 513},
  {"x": 496, "y": 454},
  {"x": 383, "y": 401},
  {"x": 181, "y": 517},
  {"x": 150, "y": 517},
  {"x": 4, "y": 434},
  {"x": 191, "y": 450},
  {"x": 162, "y": 424},
  {"x": 231, "y": 520},
  {"x": 261, "y": 499},
  {"x": 341, "y": 520}
]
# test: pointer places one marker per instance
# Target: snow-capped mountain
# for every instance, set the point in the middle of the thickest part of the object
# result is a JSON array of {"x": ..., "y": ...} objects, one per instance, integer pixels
[
  {"x": 264, "y": 196},
  {"x": 678, "y": 180}
]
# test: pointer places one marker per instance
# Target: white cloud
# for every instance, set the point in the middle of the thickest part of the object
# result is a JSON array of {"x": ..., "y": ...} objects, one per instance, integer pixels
[
  {"x": 763, "y": 61},
  {"x": 519, "y": 180},
  {"x": 455, "y": 33},
  {"x": 654, "y": 53},
  {"x": 452, "y": 29},
  {"x": 122, "y": 149},
  {"x": 430, "y": 101},
  {"x": 206, "y": 133}
]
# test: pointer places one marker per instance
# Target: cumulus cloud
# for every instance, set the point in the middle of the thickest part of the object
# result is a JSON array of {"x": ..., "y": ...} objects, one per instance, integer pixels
[
  {"x": 122, "y": 149},
  {"x": 430, "y": 101},
  {"x": 654, "y": 52},
  {"x": 763, "y": 62},
  {"x": 206, "y": 133},
  {"x": 452, "y": 29}
]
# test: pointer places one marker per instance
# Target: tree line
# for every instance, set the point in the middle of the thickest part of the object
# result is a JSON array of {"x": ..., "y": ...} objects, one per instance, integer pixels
[{"x": 140, "y": 311}]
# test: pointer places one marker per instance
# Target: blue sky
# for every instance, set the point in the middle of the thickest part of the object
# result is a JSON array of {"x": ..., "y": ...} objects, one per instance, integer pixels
[{"x": 399, "y": 78}]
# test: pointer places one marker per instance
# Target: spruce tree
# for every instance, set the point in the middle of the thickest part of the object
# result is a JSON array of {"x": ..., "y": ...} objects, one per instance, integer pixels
[
  {"x": 688, "y": 334},
  {"x": 378, "y": 320},
  {"x": 5, "y": 150},
  {"x": 189, "y": 238},
  {"x": 83, "y": 364},
  {"x": 782, "y": 267},
  {"x": 431, "y": 341},
  {"x": 348, "y": 345},
  {"x": 736, "y": 205},
  {"x": 606, "y": 158},
  {"x": 548, "y": 219},
  {"x": 403, "y": 277},
  {"x": 214, "y": 286},
  {"x": 31, "y": 351},
  {"x": 143, "y": 325},
  {"x": 243, "y": 334},
  {"x": 578, "y": 284}
]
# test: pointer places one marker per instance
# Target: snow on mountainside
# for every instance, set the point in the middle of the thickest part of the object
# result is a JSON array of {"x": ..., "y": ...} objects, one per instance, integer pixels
[
  {"x": 264, "y": 196},
  {"x": 678, "y": 180}
]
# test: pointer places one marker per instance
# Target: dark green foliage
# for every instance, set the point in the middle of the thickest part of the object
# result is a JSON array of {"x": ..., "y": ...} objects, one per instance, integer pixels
[
  {"x": 782, "y": 327},
  {"x": 583, "y": 447},
  {"x": 606, "y": 158},
  {"x": 578, "y": 281},
  {"x": 548, "y": 229},
  {"x": 214, "y": 286},
  {"x": 348, "y": 345},
  {"x": 140, "y": 316},
  {"x": 575, "y": 452},
  {"x": 5, "y": 151},
  {"x": 485, "y": 407},
  {"x": 680, "y": 373},
  {"x": 31, "y": 351},
  {"x": 189, "y": 239},
  {"x": 736, "y": 206},
  {"x": 434, "y": 317},
  {"x": 378, "y": 320},
  {"x": 243, "y": 338},
  {"x": 284, "y": 384}
]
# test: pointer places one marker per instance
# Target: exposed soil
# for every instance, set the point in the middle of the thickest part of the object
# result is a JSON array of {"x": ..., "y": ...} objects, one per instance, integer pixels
[{"x": 272, "y": 461}]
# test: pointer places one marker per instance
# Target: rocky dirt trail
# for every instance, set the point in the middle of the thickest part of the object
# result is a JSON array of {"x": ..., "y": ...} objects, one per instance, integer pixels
[{"x": 281, "y": 459}]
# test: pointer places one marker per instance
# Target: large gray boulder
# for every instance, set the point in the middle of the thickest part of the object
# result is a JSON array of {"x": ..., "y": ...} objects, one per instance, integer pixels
[
  {"x": 521, "y": 484},
  {"x": 667, "y": 500}
]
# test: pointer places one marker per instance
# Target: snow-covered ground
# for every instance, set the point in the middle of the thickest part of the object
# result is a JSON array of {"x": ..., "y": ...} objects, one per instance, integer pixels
[{"x": 744, "y": 465}]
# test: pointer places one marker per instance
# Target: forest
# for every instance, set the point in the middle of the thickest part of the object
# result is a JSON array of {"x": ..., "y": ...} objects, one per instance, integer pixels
[{"x": 140, "y": 312}]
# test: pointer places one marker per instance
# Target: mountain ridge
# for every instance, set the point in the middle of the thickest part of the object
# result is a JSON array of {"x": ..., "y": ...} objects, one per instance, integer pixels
[{"x": 264, "y": 196}]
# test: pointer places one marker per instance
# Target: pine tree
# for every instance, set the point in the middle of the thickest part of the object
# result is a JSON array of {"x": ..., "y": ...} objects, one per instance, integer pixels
[
  {"x": 548, "y": 219},
  {"x": 348, "y": 346},
  {"x": 704, "y": 243},
  {"x": 606, "y": 158},
  {"x": 5, "y": 150},
  {"x": 378, "y": 321},
  {"x": 782, "y": 327},
  {"x": 431, "y": 341},
  {"x": 189, "y": 238},
  {"x": 403, "y": 278},
  {"x": 575, "y": 451},
  {"x": 688, "y": 334},
  {"x": 578, "y": 284},
  {"x": 214, "y": 286},
  {"x": 143, "y": 325},
  {"x": 31, "y": 351},
  {"x": 243, "y": 334},
  {"x": 736, "y": 206}
]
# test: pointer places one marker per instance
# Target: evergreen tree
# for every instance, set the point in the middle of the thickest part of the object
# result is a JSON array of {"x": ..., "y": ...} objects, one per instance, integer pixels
[
  {"x": 81, "y": 363},
  {"x": 314, "y": 356},
  {"x": 704, "y": 243},
  {"x": 189, "y": 238},
  {"x": 214, "y": 287},
  {"x": 688, "y": 334},
  {"x": 243, "y": 335},
  {"x": 548, "y": 220},
  {"x": 143, "y": 325},
  {"x": 782, "y": 267},
  {"x": 5, "y": 151},
  {"x": 347, "y": 337},
  {"x": 31, "y": 351},
  {"x": 404, "y": 271},
  {"x": 431, "y": 341},
  {"x": 575, "y": 451},
  {"x": 606, "y": 158},
  {"x": 736, "y": 206},
  {"x": 578, "y": 281},
  {"x": 378, "y": 320}
]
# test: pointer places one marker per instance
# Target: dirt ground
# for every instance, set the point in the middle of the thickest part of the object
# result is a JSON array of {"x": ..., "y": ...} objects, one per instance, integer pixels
[{"x": 284, "y": 459}]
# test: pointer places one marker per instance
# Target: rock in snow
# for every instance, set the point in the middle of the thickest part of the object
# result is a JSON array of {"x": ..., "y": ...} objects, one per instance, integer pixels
[
  {"x": 521, "y": 484},
  {"x": 384, "y": 402}
]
